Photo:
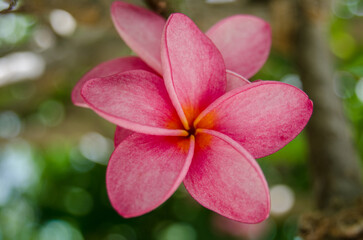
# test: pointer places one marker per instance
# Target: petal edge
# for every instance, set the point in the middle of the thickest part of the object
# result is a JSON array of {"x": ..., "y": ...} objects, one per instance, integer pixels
[
  {"x": 135, "y": 188},
  {"x": 104, "y": 69},
  {"x": 234, "y": 187},
  {"x": 262, "y": 116},
  {"x": 135, "y": 100},
  {"x": 244, "y": 42},
  {"x": 145, "y": 37},
  {"x": 194, "y": 71}
]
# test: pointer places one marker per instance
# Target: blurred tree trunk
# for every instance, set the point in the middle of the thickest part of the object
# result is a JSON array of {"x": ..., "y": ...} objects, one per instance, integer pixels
[{"x": 333, "y": 159}]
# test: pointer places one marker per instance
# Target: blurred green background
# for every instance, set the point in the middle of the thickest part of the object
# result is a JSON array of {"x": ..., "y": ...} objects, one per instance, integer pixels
[{"x": 53, "y": 155}]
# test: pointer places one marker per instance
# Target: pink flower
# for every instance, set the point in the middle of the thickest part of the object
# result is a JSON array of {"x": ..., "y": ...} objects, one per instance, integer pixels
[
  {"x": 243, "y": 40},
  {"x": 186, "y": 128}
]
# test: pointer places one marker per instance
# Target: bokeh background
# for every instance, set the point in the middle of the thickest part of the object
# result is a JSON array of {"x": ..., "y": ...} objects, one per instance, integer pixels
[{"x": 53, "y": 155}]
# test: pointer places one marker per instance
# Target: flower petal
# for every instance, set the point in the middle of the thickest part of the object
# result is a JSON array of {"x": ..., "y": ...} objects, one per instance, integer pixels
[
  {"x": 244, "y": 42},
  {"x": 225, "y": 178},
  {"x": 194, "y": 71},
  {"x": 136, "y": 100},
  {"x": 141, "y": 29},
  {"x": 120, "y": 135},
  {"x": 146, "y": 170},
  {"x": 262, "y": 116},
  {"x": 235, "y": 80},
  {"x": 106, "y": 69}
]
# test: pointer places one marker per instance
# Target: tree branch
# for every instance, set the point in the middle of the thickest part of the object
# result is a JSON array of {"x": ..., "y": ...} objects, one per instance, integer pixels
[
  {"x": 12, "y": 5},
  {"x": 161, "y": 7}
]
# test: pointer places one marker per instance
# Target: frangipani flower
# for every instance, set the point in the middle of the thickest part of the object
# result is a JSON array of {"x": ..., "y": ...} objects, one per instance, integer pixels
[
  {"x": 186, "y": 128},
  {"x": 243, "y": 40}
]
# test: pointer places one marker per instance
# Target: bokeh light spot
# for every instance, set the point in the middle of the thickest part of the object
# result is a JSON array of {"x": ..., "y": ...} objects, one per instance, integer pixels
[
  {"x": 96, "y": 147},
  {"x": 359, "y": 90},
  {"x": 356, "y": 7},
  {"x": 78, "y": 201},
  {"x": 59, "y": 230},
  {"x": 3, "y": 5},
  {"x": 341, "y": 9},
  {"x": 17, "y": 215},
  {"x": 179, "y": 231},
  {"x": 282, "y": 199},
  {"x": 14, "y": 28},
  {"x": 79, "y": 162},
  {"x": 20, "y": 66},
  {"x": 7, "y": 25},
  {"x": 292, "y": 79},
  {"x": 17, "y": 169},
  {"x": 344, "y": 84},
  {"x": 44, "y": 38},
  {"x": 10, "y": 124},
  {"x": 51, "y": 113},
  {"x": 62, "y": 22},
  {"x": 343, "y": 45}
]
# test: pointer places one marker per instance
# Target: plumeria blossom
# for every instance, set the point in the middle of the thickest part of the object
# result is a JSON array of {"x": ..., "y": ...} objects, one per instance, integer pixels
[
  {"x": 243, "y": 40},
  {"x": 187, "y": 128}
]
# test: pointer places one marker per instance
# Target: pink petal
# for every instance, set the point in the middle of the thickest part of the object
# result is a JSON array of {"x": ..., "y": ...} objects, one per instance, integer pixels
[
  {"x": 235, "y": 80},
  {"x": 120, "y": 135},
  {"x": 106, "y": 69},
  {"x": 262, "y": 116},
  {"x": 194, "y": 71},
  {"x": 244, "y": 42},
  {"x": 141, "y": 29},
  {"x": 225, "y": 178},
  {"x": 136, "y": 100},
  {"x": 145, "y": 170}
]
